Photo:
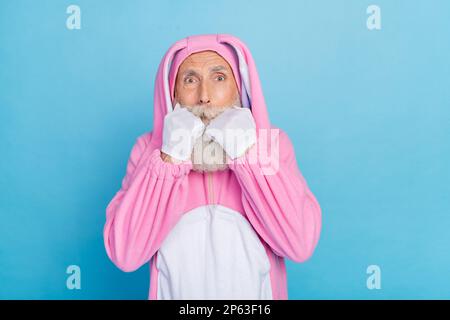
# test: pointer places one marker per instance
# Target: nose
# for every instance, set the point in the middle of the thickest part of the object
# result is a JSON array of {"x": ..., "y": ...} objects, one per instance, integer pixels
[
  {"x": 204, "y": 95},
  {"x": 205, "y": 101}
]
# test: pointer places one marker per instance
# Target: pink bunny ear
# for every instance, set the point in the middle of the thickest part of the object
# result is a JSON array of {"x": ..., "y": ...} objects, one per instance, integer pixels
[{"x": 251, "y": 93}]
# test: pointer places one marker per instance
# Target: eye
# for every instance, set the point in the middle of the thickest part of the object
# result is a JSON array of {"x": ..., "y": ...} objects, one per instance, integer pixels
[
  {"x": 221, "y": 77},
  {"x": 190, "y": 80}
]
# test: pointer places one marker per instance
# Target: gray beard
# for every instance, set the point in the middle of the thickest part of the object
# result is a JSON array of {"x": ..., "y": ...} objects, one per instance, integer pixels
[{"x": 207, "y": 155}]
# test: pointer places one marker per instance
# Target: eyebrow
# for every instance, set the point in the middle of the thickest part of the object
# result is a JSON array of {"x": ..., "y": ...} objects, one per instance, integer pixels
[
  {"x": 217, "y": 68},
  {"x": 191, "y": 72}
]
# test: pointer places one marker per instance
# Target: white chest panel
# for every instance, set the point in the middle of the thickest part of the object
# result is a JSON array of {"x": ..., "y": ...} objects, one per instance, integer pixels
[{"x": 213, "y": 253}]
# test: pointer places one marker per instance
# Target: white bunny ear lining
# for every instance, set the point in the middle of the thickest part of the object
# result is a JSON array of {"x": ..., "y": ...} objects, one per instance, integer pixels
[
  {"x": 246, "y": 95},
  {"x": 245, "y": 77},
  {"x": 167, "y": 94}
]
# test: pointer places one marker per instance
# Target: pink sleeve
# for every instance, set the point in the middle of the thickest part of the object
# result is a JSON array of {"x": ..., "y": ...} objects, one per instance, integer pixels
[
  {"x": 280, "y": 207},
  {"x": 146, "y": 207}
]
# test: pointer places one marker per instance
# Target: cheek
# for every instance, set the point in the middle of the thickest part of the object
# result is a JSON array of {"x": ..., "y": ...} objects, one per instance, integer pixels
[
  {"x": 187, "y": 95},
  {"x": 224, "y": 94}
]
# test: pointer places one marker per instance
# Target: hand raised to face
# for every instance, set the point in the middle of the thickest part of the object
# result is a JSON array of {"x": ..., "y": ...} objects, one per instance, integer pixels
[
  {"x": 181, "y": 130},
  {"x": 234, "y": 129}
]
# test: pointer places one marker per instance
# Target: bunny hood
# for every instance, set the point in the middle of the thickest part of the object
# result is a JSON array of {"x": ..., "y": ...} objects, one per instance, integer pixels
[{"x": 234, "y": 51}]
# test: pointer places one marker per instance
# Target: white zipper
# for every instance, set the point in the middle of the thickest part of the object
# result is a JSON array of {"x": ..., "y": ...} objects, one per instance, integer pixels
[{"x": 210, "y": 188}]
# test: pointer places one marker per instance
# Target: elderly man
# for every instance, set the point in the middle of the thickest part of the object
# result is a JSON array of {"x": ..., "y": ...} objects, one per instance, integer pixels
[{"x": 203, "y": 199}]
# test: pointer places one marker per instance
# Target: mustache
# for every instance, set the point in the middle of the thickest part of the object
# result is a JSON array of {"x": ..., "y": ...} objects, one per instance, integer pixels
[{"x": 207, "y": 113}]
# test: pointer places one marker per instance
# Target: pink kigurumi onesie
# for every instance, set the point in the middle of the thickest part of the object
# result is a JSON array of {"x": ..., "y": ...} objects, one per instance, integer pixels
[{"x": 214, "y": 235}]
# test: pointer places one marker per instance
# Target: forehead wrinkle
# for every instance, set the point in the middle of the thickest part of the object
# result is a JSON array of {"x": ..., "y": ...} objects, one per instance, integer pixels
[{"x": 192, "y": 72}]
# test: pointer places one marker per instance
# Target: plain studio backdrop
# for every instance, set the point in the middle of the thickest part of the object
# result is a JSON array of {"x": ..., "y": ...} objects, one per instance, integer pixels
[{"x": 367, "y": 110}]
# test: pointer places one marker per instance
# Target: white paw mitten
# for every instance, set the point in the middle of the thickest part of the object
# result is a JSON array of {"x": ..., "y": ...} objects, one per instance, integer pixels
[
  {"x": 234, "y": 129},
  {"x": 181, "y": 129}
]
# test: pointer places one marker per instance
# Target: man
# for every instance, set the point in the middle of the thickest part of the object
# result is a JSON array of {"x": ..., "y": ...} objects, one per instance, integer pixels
[{"x": 201, "y": 199}]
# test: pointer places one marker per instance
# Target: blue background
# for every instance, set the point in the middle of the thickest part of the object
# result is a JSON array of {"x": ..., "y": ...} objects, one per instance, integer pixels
[{"x": 367, "y": 111}]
